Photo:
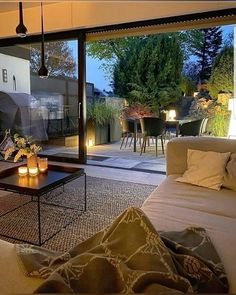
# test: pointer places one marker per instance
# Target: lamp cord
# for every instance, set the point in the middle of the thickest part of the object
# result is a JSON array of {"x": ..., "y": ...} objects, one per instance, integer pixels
[
  {"x": 42, "y": 49},
  {"x": 20, "y": 13}
]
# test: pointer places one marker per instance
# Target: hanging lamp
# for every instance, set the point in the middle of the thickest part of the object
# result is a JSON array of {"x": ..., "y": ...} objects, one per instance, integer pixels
[
  {"x": 43, "y": 71},
  {"x": 21, "y": 29}
]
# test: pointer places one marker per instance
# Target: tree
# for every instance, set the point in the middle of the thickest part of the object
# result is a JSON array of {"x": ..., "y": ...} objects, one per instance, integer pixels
[
  {"x": 222, "y": 72},
  {"x": 207, "y": 49},
  {"x": 109, "y": 51},
  {"x": 150, "y": 71},
  {"x": 59, "y": 59},
  {"x": 187, "y": 85},
  {"x": 190, "y": 40}
]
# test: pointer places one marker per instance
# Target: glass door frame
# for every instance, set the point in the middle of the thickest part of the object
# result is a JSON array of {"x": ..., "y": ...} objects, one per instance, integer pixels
[{"x": 82, "y": 118}]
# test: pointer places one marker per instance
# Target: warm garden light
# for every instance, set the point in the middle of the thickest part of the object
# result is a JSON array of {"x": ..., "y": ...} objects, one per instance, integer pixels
[
  {"x": 172, "y": 115},
  {"x": 90, "y": 142}
]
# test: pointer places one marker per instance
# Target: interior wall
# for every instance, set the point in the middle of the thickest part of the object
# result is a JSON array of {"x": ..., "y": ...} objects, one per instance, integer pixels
[{"x": 68, "y": 15}]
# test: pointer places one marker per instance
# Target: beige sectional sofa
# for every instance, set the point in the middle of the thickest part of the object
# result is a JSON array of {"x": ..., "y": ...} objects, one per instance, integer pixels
[{"x": 174, "y": 205}]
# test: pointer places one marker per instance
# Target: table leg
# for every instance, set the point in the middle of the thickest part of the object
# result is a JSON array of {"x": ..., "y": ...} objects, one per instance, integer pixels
[
  {"x": 85, "y": 192},
  {"x": 39, "y": 223},
  {"x": 177, "y": 129},
  {"x": 135, "y": 135}
]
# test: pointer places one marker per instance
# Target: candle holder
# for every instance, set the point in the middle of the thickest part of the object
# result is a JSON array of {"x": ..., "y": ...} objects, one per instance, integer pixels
[
  {"x": 22, "y": 171},
  {"x": 43, "y": 164},
  {"x": 33, "y": 171}
]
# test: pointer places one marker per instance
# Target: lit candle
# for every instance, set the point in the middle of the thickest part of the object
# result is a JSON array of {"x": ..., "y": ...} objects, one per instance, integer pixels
[
  {"x": 22, "y": 171},
  {"x": 43, "y": 164},
  {"x": 33, "y": 171}
]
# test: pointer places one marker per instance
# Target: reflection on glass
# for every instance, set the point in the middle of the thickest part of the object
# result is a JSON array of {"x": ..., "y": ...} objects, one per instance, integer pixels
[
  {"x": 23, "y": 181},
  {"x": 33, "y": 181},
  {"x": 47, "y": 110}
]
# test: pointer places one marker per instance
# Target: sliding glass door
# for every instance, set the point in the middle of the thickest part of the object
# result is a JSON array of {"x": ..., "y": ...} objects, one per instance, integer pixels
[{"x": 47, "y": 109}]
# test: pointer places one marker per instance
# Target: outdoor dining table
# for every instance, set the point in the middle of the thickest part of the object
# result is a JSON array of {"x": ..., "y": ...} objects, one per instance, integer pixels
[
  {"x": 135, "y": 133},
  {"x": 173, "y": 125}
]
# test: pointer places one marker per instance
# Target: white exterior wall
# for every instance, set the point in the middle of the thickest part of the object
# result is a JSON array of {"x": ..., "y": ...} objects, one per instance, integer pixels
[{"x": 18, "y": 67}]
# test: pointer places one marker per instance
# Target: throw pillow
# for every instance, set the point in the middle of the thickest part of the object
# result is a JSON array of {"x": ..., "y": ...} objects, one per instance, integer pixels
[
  {"x": 205, "y": 169},
  {"x": 230, "y": 175}
]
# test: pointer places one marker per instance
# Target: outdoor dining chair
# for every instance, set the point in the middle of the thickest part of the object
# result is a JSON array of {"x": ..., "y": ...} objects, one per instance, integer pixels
[
  {"x": 127, "y": 132},
  {"x": 192, "y": 128},
  {"x": 152, "y": 127}
]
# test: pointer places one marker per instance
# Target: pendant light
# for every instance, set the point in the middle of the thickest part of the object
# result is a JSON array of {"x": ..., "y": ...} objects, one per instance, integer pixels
[
  {"x": 42, "y": 72},
  {"x": 21, "y": 29}
]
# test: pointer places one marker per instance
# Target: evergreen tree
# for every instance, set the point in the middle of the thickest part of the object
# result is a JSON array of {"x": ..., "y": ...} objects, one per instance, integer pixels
[
  {"x": 222, "y": 72},
  {"x": 149, "y": 72},
  {"x": 207, "y": 49}
]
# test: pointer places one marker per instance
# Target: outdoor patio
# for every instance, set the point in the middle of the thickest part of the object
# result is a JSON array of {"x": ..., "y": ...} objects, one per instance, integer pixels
[{"x": 112, "y": 156}]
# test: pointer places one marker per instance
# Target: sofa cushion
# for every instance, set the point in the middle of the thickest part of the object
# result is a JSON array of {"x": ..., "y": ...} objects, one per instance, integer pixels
[
  {"x": 177, "y": 194},
  {"x": 205, "y": 168},
  {"x": 176, "y": 150},
  {"x": 230, "y": 176}
]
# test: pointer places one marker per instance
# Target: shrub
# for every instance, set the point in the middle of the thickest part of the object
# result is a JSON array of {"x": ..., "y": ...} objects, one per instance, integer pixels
[{"x": 102, "y": 113}]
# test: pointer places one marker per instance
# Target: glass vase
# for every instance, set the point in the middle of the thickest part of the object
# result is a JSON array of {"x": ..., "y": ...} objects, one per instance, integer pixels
[{"x": 32, "y": 162}]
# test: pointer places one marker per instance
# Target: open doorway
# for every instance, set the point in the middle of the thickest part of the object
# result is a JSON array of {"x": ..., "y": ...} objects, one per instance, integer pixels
[{"x": 174, "y": 76}]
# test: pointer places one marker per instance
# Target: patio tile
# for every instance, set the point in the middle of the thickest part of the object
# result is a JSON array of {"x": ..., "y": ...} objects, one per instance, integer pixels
[
  {"x": 151, "y": 166},
  {"x": 124, "y": 158},
  {"x": 120, "y": 162}
]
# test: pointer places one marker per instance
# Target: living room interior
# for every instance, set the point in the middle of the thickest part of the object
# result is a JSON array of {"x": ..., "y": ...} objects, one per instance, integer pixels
[{"x": 162, "y": 221}]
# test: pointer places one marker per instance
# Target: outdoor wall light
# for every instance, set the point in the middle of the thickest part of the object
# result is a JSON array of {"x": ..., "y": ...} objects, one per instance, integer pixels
[
  {"x": 172, "y": 115},
  {"x": 90, "y": 142},
  {"x": 21, "y": 29},
  {"x": 43, "y": 71}
]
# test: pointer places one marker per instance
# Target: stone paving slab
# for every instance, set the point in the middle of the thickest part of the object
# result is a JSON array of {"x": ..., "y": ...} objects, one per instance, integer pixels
[{"x": 120, "y": 158}]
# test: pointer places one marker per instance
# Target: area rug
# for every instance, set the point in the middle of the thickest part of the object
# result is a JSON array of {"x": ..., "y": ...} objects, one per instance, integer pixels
[{"x": 105, "y": 200}]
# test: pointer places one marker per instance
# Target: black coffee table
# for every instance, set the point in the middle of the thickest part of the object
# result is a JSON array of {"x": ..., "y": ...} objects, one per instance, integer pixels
[{"x": 38, "y": 186}]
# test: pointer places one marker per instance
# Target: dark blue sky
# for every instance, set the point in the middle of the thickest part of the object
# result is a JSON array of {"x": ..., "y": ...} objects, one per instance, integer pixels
[{"x": 96, "y": 75}]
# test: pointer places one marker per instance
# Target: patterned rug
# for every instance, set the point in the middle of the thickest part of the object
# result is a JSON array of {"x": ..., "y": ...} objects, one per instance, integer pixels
[{"x": 105, "y": 200}]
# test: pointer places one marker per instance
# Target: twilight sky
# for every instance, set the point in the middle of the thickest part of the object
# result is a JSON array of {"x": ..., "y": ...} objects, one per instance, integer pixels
[{"x": 96, "y": 75}]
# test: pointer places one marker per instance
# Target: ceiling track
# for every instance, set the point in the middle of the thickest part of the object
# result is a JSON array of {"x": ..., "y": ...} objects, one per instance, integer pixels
[{"x": 224, "y": 16}]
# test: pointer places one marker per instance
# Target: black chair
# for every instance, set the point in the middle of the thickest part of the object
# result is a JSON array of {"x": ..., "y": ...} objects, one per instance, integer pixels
[
  {"x": 207, "y": 126},
  {"x": 192, "y": 128},
  {"x": 127, "y": 131},
  {"x": 152, "y": 127}
]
